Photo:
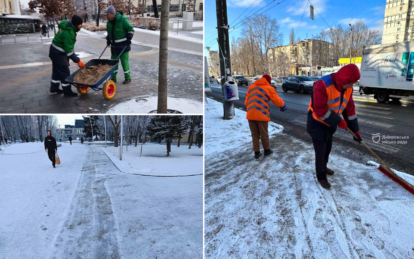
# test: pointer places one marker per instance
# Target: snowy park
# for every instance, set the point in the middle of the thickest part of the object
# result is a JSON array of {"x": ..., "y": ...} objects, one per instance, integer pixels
[
  {"x": 95, "y": 205},
  {"x": 275, "y": 208}
]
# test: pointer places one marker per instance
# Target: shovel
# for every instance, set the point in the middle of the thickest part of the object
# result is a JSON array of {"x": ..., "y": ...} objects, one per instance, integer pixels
[{"x": 385, "y": 169}]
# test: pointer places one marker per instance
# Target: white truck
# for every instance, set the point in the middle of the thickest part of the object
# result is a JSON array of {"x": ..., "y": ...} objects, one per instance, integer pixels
[{"x": 387, "y": 71}]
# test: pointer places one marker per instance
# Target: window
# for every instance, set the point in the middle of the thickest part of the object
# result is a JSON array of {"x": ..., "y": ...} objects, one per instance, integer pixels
[
  {"x": 400, "y": 8},
  {"x": 398, "y": 29},
  {"x": 397, "y": 37},
  {"x": 183, "y": 7},
  {"x": 201, "y": 7},
  {"x": 174, "y": 8}
]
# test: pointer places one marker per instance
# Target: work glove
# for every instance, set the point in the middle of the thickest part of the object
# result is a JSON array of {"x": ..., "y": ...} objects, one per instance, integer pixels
[
  {"x": 80, "y": 64},
  {"x": 108, "y": 42},
  {"x": 342, "y": 124},
  {"x": 358, "y": 139},
  {"x": 129, "y": 41},
  {"x": 283, "y": 108}
]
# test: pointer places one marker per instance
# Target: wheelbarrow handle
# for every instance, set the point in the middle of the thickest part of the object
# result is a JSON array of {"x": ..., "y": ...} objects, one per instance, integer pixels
[
  {"x": 121, "y": 52},
  {"x": 103, "y": 52}
]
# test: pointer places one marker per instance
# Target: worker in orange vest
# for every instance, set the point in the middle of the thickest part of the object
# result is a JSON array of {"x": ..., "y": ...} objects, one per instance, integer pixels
[
  {"x": 331, "y": 97},
  {"x": 258, "y": 112}
]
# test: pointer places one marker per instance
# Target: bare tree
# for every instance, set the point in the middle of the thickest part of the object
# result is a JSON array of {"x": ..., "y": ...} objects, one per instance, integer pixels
[
  {"x": 292, "y": 37},
  {"x": 116, "y": 121}
]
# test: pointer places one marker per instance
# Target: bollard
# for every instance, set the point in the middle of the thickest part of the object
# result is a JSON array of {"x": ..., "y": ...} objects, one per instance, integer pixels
[
  {"x": 40, "y": 37},
  {"x": 15, "y": 38},
  {"x": 28, "y": 38},
  {"x": 1, "y": 41}
]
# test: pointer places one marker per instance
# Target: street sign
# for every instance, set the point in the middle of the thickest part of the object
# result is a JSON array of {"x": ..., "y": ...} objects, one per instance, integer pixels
[{"x": 311, "y": 12}]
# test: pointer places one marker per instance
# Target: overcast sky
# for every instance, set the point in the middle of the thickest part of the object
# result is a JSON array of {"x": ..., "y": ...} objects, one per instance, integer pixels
[{"x": 67, "y": 119}]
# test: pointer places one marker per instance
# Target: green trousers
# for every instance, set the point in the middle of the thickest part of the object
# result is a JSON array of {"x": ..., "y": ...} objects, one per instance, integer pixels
[{"x": 125, "y": 65}]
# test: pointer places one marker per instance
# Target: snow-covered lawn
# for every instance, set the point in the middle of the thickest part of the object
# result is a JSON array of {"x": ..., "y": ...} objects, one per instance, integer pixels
[
  {"x": 87, "y": 208},
  {"x": 274, "y": 208},
  {"x": 35, "y": 197},
  {"x": 181, "y": 162},
  {"x": 144, "y": 105}
]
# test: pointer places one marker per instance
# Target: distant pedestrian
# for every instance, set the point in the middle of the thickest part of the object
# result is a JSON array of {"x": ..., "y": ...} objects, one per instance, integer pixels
[
  {"x": 44, "y": 28},
  {"x": 51, "y": 147},
  {"x": 70, "y": 140},
  {"x": 258, "y": 112},
  {"x": 81, "y": 140}
]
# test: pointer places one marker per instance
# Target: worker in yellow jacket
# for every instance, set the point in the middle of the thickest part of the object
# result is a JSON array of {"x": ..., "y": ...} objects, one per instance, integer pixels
[{"x": 258, "y": 112}]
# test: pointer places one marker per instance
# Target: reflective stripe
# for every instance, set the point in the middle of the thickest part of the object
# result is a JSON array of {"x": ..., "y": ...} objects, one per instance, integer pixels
[
  {"x": 131, "y": 32},
  {"x": 258, "y": 108},
  {"x": 56, "y": 81},
  {"x": 116, "y": 71},
  {"x": 342, "y": 108},
  {"x": 333, "y": 108},
  {"x": 353, "y": 117},
  {"x": 126, "y": 72},
  {"x": 260, "y": 96},
  {"x": 58, "y": 48},
  {"x": 345, "y": 101},
  {"x": 69, "y": 54},
  {"x": 327, "y": 114},
  {"x": 124, "y": 39},
  {"x": 65, "y": 84},
  {"x": 260, "y": 89},
  {"x": 333, "y": 101}
]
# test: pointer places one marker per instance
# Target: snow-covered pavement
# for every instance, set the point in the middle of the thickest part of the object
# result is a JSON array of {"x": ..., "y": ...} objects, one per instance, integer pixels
[
  {"x": 87, "y": 208},
  {"x": 274, "y": 208}
]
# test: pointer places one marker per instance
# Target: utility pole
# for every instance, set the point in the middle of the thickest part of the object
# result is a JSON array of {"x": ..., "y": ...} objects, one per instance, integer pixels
[
  {"x": 350, "y": 47},
  {"x": 224, "y": 48},
  {"x": 90, "y": 120}
]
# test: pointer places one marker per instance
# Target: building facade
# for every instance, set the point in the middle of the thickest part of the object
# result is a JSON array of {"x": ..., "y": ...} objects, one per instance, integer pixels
[
  {"x": 289, "y": 60},
  {"x": 213, "y": 64},
  {"x": 74, "y": 131},
  {"x": 9, "y": 7},
  {"x": 398, "y": 21},
  {"x": 176, "y": 6}
]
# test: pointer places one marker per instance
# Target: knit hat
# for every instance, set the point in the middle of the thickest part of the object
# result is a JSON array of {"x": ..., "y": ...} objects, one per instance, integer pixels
[
  {"x": 346, "y": 75},
  {"x": 268, "y": 78},
  {"x": 76, "y": 20},
  {"x": 111, "y": 10}
]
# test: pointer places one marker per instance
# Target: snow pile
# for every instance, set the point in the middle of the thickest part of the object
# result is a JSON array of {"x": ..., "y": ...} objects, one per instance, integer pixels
[
  {"x": 409, "y": 178},
  {"x": 181, "y": 162},
  {"x": 144, "y": 105},
  {"x": 229, "y": 134},
  {"x": 275, "y": 208}
]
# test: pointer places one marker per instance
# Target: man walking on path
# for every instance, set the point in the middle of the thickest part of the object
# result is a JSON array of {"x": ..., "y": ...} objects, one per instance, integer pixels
[
  {"x": 331, "y": 97},
  {"x": 61, "y": 50},
  {"x": 70, "y": 140},
  {"x": 120, "y": 33},
  {"x": 51, "y": 147},
  {"x": 258, "y": 112}
]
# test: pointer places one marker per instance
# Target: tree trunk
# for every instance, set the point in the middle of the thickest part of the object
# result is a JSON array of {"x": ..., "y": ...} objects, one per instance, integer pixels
[
  {"x": 168, "y": 148},
  {"x": 179, "y": 140},
  {"x": 163, "y": 58}
]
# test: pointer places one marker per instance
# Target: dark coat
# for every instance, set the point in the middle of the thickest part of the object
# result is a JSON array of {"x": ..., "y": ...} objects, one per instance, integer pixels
[{"x": 50, "y": 143}]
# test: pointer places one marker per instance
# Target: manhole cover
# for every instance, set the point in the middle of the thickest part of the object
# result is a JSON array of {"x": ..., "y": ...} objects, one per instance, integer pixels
[{"x": 169, "y": 111}]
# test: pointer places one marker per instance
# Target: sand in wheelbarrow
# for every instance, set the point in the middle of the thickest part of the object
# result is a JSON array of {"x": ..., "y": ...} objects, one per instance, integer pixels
[{"x": 92, "y": 74}]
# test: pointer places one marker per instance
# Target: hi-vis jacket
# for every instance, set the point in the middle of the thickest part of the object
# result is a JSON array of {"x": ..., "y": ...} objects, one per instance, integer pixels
[
  {"x": 119, "y": 31},
  {"x": 63, "y": 44},
  {"x": 327, "y": 103},
  {"x": 257, "y": 100}
]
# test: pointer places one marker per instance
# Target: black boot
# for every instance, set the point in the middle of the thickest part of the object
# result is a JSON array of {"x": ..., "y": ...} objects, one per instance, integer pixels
[
  {"x": 127, "y": 81},
  {"x": 329, "y": 171},
  {"x": 68, "y": 92},
  {"x": 57, "y": 91},
  {"x": 268, "y": 152},
  {"x": 257, "y": 155},
  {"x": 325, "y": 184},
  {"x": 114, "y": 80}
]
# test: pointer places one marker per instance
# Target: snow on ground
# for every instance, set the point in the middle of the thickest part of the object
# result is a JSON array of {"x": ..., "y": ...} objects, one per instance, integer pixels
[
  {"x": 407, "y": 177},
  {"x": 35, "y": 197},
  {"x": 222, "y": 134},
  {"x": 181, "y": 162},
  {"x": 143, "y": 105},
  {"x": 87, "y": 208},
  {"x": 275, "y": 208}
]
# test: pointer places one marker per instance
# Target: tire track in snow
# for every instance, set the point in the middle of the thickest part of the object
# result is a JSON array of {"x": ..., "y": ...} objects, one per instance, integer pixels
[{"x": 89, "y": 230}]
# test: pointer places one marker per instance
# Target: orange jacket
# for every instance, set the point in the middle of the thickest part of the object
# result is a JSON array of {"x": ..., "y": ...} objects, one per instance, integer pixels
[{"x": 257, "y": 100}]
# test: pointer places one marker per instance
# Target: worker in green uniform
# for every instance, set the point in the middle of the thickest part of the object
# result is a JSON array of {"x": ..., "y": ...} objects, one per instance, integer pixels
[
  {"x": 61, "y": 50},
  {"x": 120, "y": 33}
]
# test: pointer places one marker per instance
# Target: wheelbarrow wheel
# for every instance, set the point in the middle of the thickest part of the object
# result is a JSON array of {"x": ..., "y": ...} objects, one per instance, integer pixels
[
  {"x": 83, "y": 90},
  {"x": 109, "y": 90}
]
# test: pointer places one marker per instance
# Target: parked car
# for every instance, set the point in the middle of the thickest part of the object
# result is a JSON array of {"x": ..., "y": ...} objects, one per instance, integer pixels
[
  {"x": 315, "y": 78},
  {"x": 300, "y": 84},
  {"x": 280, "y": 79},
  {"x": 241, "y": 80},
  {"x": 273, "y": 84}
]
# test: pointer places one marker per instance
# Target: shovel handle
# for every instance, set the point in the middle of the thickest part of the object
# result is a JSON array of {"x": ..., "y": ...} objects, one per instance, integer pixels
[
  {"x": 103, "y": 52},
  {"x": 372, "y": 152}
]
